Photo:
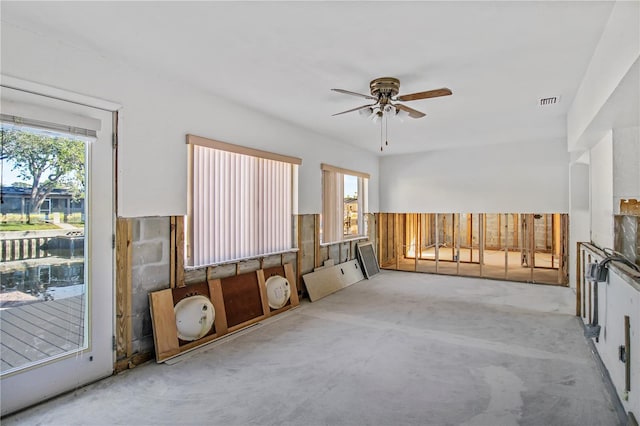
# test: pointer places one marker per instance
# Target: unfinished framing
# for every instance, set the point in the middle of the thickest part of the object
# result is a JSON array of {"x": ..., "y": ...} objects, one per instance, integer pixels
[{"x": 516, "y": 247}]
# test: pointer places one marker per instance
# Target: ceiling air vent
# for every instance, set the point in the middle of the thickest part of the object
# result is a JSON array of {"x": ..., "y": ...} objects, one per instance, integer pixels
[{"x": 548, "y": 101}]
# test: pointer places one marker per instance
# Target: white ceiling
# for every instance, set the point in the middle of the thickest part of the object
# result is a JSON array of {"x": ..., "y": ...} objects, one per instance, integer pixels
[{"x": 282, "y": 58}]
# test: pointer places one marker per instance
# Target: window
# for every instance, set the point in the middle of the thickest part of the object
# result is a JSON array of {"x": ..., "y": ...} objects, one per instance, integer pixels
[
  {"x": 241, "y": 202},
  {"x": 344, "y": 202}
]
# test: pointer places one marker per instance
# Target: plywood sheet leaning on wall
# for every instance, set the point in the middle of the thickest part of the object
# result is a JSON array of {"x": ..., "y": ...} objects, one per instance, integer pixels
[
  {"x": 326, "y": 281},
  {"x": 185, "y": 318}
]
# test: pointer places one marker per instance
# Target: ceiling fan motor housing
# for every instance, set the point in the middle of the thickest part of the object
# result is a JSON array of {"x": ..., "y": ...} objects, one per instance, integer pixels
[{"x": 384, "y": 87}]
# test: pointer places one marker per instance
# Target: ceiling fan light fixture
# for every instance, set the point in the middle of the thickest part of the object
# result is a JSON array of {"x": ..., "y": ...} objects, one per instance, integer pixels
[
  {"x": 376, "y": 117},
  {"x": 366, "y": 112},
  {"x": 390, "y": 110}
]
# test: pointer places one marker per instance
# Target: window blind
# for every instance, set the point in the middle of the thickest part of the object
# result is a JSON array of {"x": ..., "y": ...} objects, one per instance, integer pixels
[
  {"x": 14, "y": 122},
  {"x": 240, "y": 206}
]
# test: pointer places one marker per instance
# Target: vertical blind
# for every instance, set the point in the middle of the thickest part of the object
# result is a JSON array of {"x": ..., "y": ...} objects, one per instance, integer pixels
[{"x": 240, "y": 205}]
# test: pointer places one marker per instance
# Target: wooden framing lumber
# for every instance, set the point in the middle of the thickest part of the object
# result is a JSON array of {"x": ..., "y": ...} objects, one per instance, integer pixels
[
  {"x": 437, "y": 246},
  {"x": 396, "y": 239},
  {"x": 316, "y": 239},
  {"x": 124, "y": 236},
  {"x": 298, "y": 277},
  {"x": 481, "y": 227},
  {"x": 179, "y": 260},
  {"x": 506, "y": 243},
  {"x": 172, "y": 252},
  {"x": 532, "y": 243}
]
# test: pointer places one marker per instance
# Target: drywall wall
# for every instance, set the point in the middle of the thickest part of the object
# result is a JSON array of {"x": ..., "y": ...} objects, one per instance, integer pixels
[
  {"x": 579, "y": 214},
  {"x": 601, "y": 178},
  {"x": 156, "y": 115},
  {"x": 533, "y": 177},
  {"x": 615, "y": 55},
  {"x": 626, "y": 165}
]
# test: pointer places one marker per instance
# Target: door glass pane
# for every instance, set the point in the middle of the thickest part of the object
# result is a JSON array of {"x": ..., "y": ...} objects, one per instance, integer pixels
[{"x": 42, "y": 246}]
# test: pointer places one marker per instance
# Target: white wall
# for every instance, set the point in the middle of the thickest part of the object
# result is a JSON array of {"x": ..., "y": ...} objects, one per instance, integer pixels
[
  {"x": 157, "y": 114},
  {"x": 579, "y": 213},
  {"x": 494, "y": 179},
  {"x": 626, "y": 165},
  {"x": 601, "y": 178},
  {"x": 615, "y": 54}
]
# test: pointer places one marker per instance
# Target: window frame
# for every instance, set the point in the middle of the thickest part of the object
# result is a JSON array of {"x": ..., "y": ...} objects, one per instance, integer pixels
[{"x": 330, "y": 201}]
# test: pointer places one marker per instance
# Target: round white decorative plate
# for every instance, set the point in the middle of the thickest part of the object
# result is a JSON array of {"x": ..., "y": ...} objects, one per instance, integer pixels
[
  {"x": 194, "y": 317},
  {"x": 278, "y": 291}
]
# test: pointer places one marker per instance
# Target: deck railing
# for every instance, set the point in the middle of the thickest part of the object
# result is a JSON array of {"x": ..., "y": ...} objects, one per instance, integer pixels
[{"x": 23, "y": 249}]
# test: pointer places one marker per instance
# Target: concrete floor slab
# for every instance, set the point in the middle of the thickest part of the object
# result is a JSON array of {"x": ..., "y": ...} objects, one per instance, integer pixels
[{"x": 398, "y": 349}]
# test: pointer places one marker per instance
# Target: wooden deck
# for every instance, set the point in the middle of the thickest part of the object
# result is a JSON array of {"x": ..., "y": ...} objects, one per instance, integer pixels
[{"x": 36, "y": 331}]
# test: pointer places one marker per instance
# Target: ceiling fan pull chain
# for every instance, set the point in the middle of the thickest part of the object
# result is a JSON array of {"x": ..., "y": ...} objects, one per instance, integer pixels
[
  {"x": 381, "y": 136},
  {"x": 386, "y": 130}
]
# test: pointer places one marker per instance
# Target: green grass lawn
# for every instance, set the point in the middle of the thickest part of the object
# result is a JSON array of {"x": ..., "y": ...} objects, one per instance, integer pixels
[
  {"x": 17, "y": 226},
  {"x": 39, "y": 222}
]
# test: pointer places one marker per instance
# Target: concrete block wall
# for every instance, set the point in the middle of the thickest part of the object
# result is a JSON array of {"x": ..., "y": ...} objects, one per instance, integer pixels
[
  {"x": 150, "y": 272},
  {"x": 542, "y": 234},
  {"x": 493, "y": 236},
  {"x": 150, "y": 266}
]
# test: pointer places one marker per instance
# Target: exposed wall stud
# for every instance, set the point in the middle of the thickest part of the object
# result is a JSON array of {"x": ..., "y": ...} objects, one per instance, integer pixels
[
  {"x": 172, "y": 252},
  {"x": 179, "y": 261},
  {"x": 124, "y": 237}
]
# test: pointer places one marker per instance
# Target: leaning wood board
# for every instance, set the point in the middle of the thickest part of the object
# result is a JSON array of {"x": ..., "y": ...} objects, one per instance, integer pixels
[{"x": 328, "y": 280}]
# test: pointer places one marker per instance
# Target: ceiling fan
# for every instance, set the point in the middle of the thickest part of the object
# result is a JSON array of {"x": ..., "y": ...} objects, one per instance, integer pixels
[{"x": 384, "y": 91}]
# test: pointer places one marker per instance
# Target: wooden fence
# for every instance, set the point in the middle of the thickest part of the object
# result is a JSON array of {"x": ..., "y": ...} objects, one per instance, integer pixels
[{"x": 23, "y": 249}]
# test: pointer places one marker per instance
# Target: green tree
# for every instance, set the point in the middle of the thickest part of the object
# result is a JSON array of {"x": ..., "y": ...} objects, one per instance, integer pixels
[{"x": 48, "y": 162}]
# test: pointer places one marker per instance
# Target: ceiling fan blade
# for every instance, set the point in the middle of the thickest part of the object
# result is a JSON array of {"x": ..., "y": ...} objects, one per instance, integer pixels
[
  {"x": 353, "y": 109},
  {"x": 413, "y": 113},
  {"x": 347, "y": 92},
  {"x": 424, "y": 95}
]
